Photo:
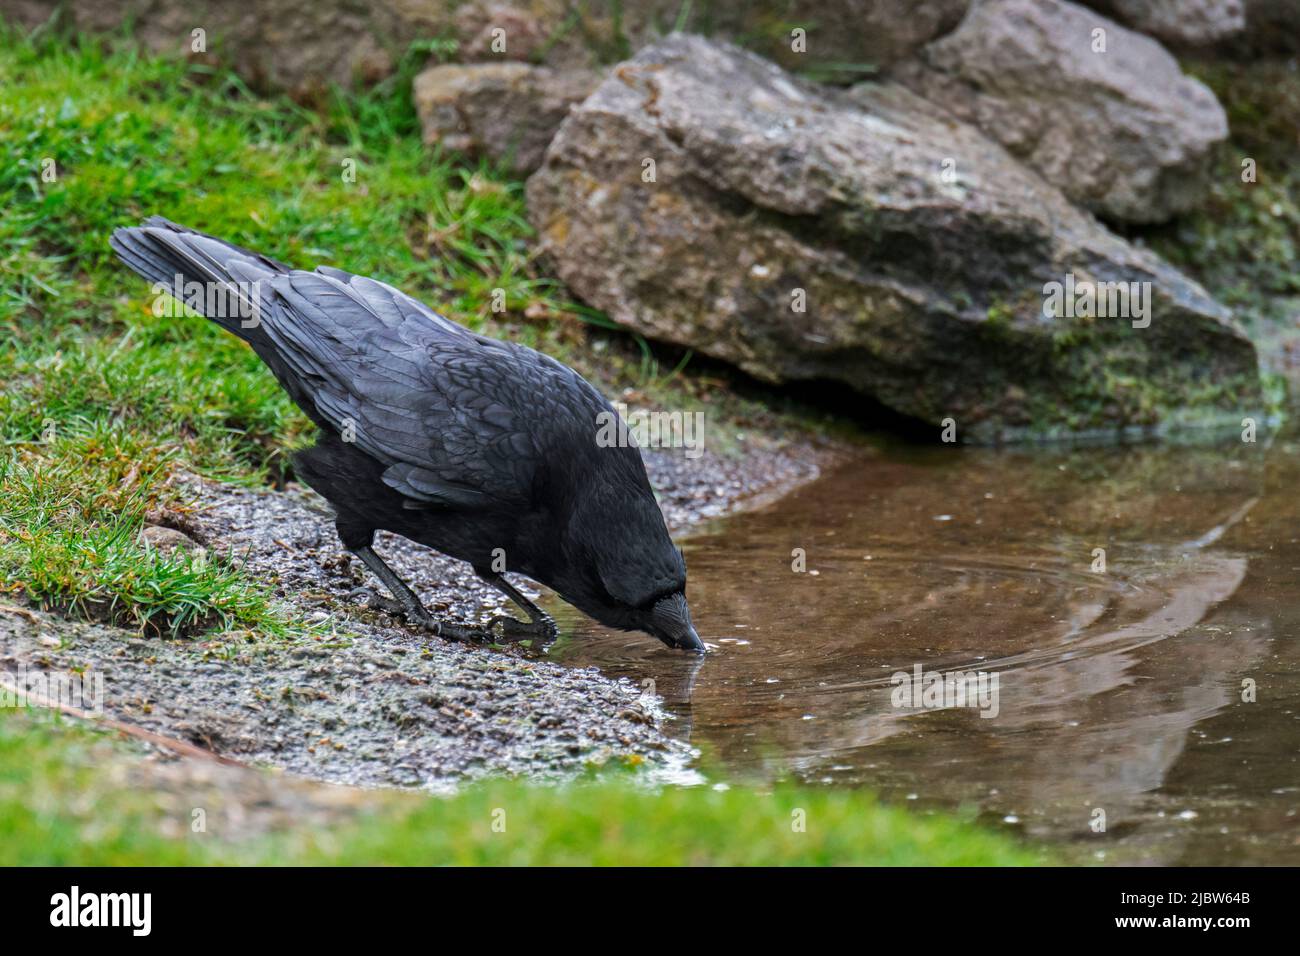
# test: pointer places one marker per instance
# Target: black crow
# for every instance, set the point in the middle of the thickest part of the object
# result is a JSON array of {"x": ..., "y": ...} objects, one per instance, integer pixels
[{"x": 484, "y": 450}]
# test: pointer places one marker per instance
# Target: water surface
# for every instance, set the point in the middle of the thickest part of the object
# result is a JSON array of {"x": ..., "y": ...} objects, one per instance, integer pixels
[{"x": 1126, "y": 691}]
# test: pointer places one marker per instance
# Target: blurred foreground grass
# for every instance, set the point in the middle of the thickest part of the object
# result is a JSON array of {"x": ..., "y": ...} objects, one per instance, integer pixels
[{"x": 66, "y": 797}]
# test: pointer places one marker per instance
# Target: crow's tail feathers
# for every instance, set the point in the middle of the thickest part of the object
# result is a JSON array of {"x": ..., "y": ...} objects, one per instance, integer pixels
[{"x": 219, "y": 280}]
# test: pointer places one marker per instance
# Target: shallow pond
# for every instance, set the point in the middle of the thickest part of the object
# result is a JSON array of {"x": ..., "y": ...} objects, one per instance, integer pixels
[{"x": 1145, "y": 710}]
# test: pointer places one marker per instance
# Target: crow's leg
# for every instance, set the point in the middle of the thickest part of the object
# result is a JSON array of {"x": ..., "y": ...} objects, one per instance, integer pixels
[
  {"x": 541, "y": 625},
  {"x": 406, "y": 601}
]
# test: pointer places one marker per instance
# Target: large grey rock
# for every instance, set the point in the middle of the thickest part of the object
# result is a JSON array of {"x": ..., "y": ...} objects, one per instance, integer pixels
[
  {"x": 505, "y": 111},
  {"x": 1180, "y": 23},
  {"x": 1117, "y": 127},
  {"x": 922, "y": 290}
]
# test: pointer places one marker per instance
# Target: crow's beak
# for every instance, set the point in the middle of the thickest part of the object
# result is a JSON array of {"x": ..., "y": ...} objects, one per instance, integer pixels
[
  {"x": 689, "y": 640},
  {"x": 672, "y": 623}
]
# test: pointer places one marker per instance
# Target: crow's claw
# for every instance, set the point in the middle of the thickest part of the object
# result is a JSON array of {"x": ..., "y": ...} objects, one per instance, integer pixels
[
  {"x": 458, "y": 633},
  {"x": 376, "y": 601}
]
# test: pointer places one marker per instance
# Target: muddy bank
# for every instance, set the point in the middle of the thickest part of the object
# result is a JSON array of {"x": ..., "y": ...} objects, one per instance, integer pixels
[{"x": 364, "y": 700}]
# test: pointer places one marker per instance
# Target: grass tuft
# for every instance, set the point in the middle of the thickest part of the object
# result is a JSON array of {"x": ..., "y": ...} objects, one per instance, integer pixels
[{"x": 71, "y": 511}]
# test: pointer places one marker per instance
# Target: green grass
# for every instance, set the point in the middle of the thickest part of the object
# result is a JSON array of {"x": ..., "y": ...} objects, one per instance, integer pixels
[
  {"x": 71, "y": 510},
  {"x": 61, "y": 802}
]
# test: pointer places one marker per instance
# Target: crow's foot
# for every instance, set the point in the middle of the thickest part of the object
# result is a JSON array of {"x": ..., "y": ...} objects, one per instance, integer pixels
[
  {"x": 419, "y": 617},
  {"x": 513, "y": 630},
  {"x": 405, "y": 604},
  {"x": 457, "y": 632}
]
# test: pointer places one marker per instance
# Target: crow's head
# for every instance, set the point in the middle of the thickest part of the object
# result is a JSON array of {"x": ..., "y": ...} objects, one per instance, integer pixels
[
  {"x": 669, "y": 619},
  {"x": 620, "y": 566},
  {"x": 643, "y": 588}
]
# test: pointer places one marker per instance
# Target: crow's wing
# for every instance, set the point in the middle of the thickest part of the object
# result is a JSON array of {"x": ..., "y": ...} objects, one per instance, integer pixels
[{"x": 459, "y": 420}]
